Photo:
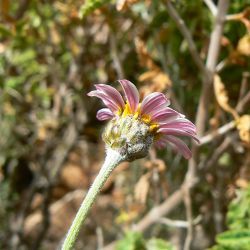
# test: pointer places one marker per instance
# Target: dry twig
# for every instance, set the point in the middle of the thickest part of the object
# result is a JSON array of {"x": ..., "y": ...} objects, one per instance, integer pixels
[
  {"x": 220, "y": 131},
  {"x": 178, "y": 223},
  {"x": 201, "y": 116},
  {"x": 187, "y": 35},
  {"x": 116, "y": 60},
  {"x": 154, "y": 214},
  {"x": 212, "y": 7}
]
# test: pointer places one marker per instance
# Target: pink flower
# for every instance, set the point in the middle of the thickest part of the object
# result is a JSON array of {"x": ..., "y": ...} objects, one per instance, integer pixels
[{"x": 151, "y": 117}]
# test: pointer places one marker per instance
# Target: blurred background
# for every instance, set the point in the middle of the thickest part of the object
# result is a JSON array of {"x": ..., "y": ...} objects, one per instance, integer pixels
[{"x": 52, "y": 53}]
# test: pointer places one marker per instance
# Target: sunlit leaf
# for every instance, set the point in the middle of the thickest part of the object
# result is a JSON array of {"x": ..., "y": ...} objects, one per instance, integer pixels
[
  {"x": 132, "y": 241},
  {"x": 124, "y": 4},
  {"x": 91, "y": 5},
  {"x": 222, "y": 96},
  {"x": 243, "y": 125},
  {"x": 235, "y": 239},
  {"x": 244, "y": 45},
  {"x": 158, "y": 244}
]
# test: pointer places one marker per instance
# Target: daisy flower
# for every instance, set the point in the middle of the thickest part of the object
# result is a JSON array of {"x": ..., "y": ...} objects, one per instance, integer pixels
[{"x": 134, "y": 126}]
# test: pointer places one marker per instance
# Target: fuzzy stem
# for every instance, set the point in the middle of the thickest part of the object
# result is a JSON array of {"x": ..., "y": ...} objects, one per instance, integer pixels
[{"x": 111, "y": 161}]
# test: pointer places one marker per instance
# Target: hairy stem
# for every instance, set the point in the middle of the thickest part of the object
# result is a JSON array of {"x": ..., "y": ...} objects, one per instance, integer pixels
[{"x": 112, "y": 160}]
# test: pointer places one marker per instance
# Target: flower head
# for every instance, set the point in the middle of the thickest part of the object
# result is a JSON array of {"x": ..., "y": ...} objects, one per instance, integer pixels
[{"x": 134, "y": 126}]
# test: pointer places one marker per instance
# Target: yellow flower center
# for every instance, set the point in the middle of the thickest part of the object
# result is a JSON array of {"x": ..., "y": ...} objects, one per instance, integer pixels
[
  {"x": 127, "y": 111},
  {"x": 145, "y": 118}
]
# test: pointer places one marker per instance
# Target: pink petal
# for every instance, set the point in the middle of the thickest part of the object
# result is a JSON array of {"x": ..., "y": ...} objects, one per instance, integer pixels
[
  {"x": 164, "y": 115},
  {"x": 131, "y": 93},
  {"x": 113, "y": 106},
  {"x": 176, "y": 123},
  {"x": 180, "y": 146},
  {"x": 176, "y": 143},
  {"x": 112, "y": 93},
  {"x": 160, "y": 144},
  {"x": 184, "y": 128},
  {"x": 167, "y": 111},
  {"x": 165, "y": 118},
  {"x": 104, "y": 114},
  {"x": 178, "y": 132},
  {"x": 181, "y": 120},
  {"x": 179, "y": 123},
  {"x": 153, "y": 102}
]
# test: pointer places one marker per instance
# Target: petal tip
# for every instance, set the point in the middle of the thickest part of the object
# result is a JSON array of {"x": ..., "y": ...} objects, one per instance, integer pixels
[
  {"x": 91, "y": 94},
  {"x": 131, "y": 93}
]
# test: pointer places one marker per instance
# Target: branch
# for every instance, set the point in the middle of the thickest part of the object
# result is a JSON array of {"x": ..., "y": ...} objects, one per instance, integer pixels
[
  {"x": 155, "y": 214},
  {"x": 178, "y": 223},
  {"x": 99, "y": 236},
  {"x": 212, "y": 58},
  {"x": 217, "y": 153},
  {"x": 243, "y": 102},
  {"x": 214, "y": 47},
  {"x": 220, "y": 131},
  {"x": 243, "y": 87},
  {"x": 189, "y": 214},
  {"x": 227, "y": 127},
  {"x": 116, "y": 60},
  {"x": 173, "y": 223},
  {"x": 212, "y": 7},
  {"x": 201, "y": 116},
  {"x": 163, "y": 60},
  {"x": 24, "y": 5},
  {"x": 187, "y": 35}
]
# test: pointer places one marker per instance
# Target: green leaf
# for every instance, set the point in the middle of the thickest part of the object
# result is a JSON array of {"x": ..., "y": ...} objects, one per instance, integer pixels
[
  {"x": 132, "y": 241},
  {"x": 235, "y": 239},
  {"x": 90, "y": 6},
  {"x": 135, "y": 241},
  {"x": 238, "y": 216},
  {"x": 238, "y": 220},
  {"x": 158, "y": 244},
  {"x": 5, "y": 31},
  {"x": 23, "y": 57},
  {"x": 14, "y": 81}
]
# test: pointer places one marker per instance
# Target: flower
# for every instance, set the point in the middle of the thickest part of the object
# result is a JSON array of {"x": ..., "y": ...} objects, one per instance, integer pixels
[{"x": 134, "y": 126}]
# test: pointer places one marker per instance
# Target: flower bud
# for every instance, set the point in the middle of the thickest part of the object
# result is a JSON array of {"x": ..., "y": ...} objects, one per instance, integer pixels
[{"x": 129, "y": 136}]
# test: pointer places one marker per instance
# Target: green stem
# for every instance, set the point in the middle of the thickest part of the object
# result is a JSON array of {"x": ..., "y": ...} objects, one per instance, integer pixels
[{"x": 112, "y": 160}]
